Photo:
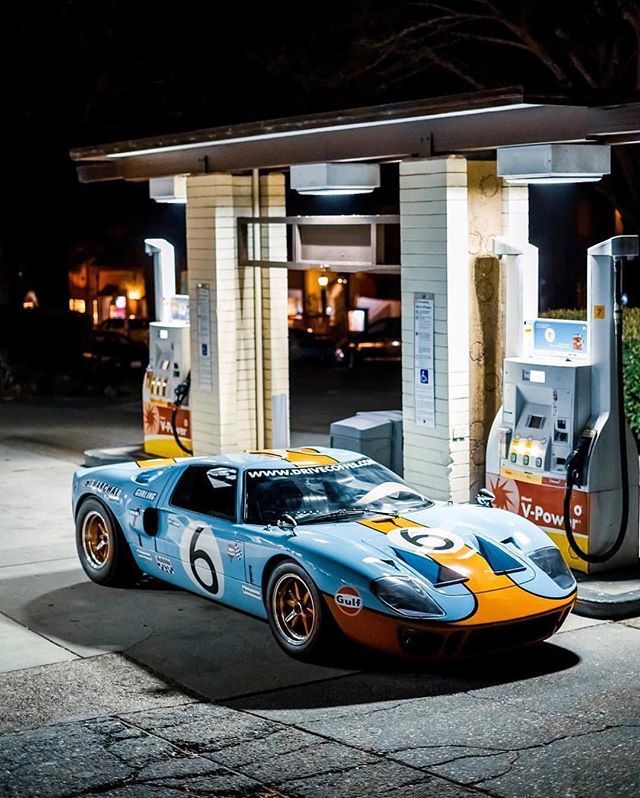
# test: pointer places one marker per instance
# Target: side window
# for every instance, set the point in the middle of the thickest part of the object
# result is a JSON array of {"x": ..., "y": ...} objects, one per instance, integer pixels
[{"x": 210, "y": 490}]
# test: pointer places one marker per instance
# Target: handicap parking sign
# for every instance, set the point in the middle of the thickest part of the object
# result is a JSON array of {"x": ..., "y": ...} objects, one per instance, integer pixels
[{"x": 424, "y": 376}]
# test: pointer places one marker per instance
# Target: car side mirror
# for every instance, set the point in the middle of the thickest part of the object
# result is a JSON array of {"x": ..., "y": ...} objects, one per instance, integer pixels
[
  {"x": 287, "y": 523},
  {"x": 150, "y": 521},
  {"x": 485, "y": 498}
]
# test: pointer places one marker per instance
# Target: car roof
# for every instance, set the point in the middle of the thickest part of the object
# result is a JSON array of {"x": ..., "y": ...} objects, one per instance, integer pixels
[{"x": 301, "y": 457}]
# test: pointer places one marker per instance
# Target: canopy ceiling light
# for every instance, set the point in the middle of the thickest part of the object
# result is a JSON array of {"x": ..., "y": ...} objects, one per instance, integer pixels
[
  {"x": 333, "y": 179},
  {"x": 169, "y": 189},
  {"x": 554, "y": 163}
]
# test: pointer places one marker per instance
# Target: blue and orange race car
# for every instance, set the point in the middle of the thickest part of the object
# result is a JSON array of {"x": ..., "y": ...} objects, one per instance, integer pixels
[{"x": 323, "y": 542}]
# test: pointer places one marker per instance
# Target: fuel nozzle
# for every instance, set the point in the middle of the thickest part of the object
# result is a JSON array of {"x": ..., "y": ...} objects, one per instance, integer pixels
[
  {"x": 181, "y": 390},
  {"x": 578, "y": 459}
]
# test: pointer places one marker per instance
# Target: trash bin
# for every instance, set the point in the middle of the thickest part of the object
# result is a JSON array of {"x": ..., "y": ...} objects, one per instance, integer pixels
[
  {"x": 397, "y": 440},
  {"x": 369, "y": 435}
]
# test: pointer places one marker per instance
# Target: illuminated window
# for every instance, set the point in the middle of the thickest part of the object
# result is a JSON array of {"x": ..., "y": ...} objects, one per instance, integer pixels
[{"x": 78, "y": 305}]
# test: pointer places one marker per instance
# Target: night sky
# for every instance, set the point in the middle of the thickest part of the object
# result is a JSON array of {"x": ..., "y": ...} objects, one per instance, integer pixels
[{"x": 78, "y": 73}]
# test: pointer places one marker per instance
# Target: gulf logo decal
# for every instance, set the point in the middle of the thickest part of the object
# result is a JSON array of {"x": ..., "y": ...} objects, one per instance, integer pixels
[{"x": 348, "y": 600}]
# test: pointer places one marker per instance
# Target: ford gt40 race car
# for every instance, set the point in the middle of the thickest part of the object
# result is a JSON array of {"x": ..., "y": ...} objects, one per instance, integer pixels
[{"x": 322, "y": 542}]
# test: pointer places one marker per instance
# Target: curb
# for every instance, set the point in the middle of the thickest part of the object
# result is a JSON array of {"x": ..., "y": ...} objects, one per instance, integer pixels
[{"x": 595, "y": 603}]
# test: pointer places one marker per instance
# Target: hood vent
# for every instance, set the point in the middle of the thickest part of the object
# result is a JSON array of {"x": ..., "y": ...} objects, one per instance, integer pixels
[
  {"x": 438, "y": 575},
  {"x": 500, "y": 561}
]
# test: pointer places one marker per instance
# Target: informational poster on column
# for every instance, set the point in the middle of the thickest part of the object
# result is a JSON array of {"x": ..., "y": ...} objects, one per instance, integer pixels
[
  {"x": 425, "y": 404},
  {"x": 203, "y": 321}
]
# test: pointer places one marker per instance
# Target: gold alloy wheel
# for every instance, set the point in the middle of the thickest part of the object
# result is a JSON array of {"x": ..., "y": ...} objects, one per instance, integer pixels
[
  {"x": 294, "y": 609},
  {"x": 96, "y": 540}
]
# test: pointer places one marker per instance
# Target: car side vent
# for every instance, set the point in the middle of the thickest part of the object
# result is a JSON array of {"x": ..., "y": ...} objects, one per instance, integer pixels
[{"x": 145, "y": 477}]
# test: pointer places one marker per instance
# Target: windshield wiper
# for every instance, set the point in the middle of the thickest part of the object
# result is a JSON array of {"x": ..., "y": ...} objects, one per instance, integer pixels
[{"x": 336, "y": 515}]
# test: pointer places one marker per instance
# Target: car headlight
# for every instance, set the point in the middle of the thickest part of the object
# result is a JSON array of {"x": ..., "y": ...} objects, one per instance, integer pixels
[
  {"x": 552, "y": 563},
  {"x": 340, "y": 353},
  {"x": 406, "y": 595}
]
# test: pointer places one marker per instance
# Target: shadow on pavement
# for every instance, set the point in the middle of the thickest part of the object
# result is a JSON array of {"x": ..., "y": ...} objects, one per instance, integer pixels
[{"x": 222, "y": 654}]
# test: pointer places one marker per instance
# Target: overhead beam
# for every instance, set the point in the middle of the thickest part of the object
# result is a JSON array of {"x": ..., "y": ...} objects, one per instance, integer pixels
[{"x": 382, "y": 139}]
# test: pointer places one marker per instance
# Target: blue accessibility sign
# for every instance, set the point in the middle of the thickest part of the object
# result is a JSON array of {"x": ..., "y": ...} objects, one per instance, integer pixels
[{"x": 424, "y": 376}]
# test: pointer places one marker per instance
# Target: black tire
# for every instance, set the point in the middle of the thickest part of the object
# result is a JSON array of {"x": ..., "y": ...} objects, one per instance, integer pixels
[
  {"x": 102, "y": 549},
  {"x": 292, "y": 637}
]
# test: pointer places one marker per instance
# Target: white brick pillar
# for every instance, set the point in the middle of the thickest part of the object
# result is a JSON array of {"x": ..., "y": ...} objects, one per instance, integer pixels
[
  {"x": 515, "y": 214},
  {"x": 222, "y": 382},
  {"x": 435, "y": 260},
  {"x": 275, "y": 333}
]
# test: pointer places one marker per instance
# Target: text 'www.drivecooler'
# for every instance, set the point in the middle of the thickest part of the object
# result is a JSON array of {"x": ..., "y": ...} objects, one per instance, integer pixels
[{"x": 323, "y": 469}]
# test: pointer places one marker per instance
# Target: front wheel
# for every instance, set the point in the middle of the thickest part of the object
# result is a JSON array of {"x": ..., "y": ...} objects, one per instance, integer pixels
[
  {"x": 299, "y": 620},
  {"x": 103, "y": 552}
]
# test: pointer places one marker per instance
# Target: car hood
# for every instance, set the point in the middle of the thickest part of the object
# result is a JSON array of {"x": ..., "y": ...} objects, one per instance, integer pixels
[{"x": 449, "y": 545}]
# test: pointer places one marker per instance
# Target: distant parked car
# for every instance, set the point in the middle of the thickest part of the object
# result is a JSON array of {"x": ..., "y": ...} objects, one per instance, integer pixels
[
  {"x": 134, "y": 329},
  {"x": 381, "y": 342},
  {"x": 114, "y": 353},
  {"x": 305, "y": 345}
]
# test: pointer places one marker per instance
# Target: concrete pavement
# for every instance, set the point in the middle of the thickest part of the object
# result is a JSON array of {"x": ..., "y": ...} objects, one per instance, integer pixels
[{"x": 155, "y": 692}]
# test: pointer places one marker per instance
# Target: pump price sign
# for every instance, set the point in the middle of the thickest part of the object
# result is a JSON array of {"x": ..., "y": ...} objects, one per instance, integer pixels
[
  {"x": 560, "y": 337},
  {"x": 423, "y": 306}
]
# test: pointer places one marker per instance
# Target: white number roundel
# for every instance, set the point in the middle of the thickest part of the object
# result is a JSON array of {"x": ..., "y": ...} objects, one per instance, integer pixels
[
  {"x": 200, "y": 555},
  {"x": 426, "y": 540}
]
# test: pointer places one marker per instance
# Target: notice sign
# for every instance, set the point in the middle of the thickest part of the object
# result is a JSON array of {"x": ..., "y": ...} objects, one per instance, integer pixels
[
  {"x": 423, "y": 356},
  {"x": 203, "y": 322}
]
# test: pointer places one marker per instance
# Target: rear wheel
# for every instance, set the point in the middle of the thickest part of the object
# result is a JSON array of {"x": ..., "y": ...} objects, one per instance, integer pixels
[
  {"x": 299, "y": 620},
  {"x": 104, "y": 553}
]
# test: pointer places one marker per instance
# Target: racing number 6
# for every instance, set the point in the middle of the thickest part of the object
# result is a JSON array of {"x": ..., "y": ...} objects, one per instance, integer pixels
[{"x": 196, "y": 554}]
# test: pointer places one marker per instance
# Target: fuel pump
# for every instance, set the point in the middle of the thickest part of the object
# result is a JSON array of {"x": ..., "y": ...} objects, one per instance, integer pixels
[
  {"x": 560, "y": 452},
  {"x": 165, "y": 390}
]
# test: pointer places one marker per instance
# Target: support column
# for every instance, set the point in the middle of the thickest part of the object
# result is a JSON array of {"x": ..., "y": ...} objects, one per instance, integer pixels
[
  {"x": 486, "y": 311},
  {"x": 435, "y": 259},
  {"x": 275, "y": 333},
  {"x": 223, "y": 338}
]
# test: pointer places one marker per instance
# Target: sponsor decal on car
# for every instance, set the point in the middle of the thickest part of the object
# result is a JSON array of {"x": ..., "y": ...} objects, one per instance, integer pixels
[
  {"x": 320, "y": 469},
  {"x": 348, "y": 600},
  {"x": 251, "y": 591},
  {"x": 164, "y": 564},
  {"x": 141, "y": 493},
  {"x": 234, "y": 551},
  {"x": 110, "y": 491}
]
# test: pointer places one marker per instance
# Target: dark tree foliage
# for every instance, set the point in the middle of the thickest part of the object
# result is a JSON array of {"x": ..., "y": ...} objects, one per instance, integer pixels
[{"x": 587, "y": 51}]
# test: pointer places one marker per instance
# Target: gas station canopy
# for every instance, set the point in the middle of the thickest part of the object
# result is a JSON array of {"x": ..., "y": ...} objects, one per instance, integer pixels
[{"x": 464, "y": 123}]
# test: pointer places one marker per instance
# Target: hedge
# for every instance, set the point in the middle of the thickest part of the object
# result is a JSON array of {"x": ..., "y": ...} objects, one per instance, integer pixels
[{"x": 630, "y": 358}]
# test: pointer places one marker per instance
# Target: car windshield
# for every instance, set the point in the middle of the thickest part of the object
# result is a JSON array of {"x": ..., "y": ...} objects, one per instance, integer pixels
[{"x": 334, "y": 492}]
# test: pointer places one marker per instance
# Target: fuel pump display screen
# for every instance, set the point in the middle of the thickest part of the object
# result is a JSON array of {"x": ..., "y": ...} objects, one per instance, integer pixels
[{"x": 536, "y": 422}]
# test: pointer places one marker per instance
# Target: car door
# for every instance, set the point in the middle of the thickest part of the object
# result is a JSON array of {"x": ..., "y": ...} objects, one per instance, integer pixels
[{"x": 196, "y": 535}]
